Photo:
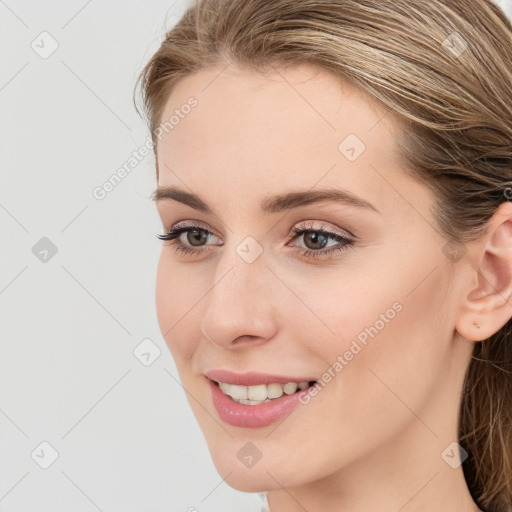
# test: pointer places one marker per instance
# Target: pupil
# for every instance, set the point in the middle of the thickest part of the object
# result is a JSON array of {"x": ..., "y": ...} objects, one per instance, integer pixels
[
  {"x": 198, "y": 235},
  {"x": 315, "y": 237}
]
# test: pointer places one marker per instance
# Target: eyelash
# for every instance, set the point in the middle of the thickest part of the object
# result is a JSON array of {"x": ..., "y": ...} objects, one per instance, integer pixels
[{"x": 174, "y": 234}]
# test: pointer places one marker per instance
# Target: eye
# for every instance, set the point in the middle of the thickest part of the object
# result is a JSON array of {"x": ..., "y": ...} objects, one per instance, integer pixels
[
  {"x": 195, "y": 235},
  {"x": 315, "y": 238}
]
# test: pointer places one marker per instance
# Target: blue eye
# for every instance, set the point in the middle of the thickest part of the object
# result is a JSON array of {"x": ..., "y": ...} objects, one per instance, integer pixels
[{"x": 312, "y": 234}]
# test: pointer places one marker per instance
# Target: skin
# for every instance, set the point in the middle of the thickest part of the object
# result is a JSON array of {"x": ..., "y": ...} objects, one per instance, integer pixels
[{"x": 372, "y": 438}]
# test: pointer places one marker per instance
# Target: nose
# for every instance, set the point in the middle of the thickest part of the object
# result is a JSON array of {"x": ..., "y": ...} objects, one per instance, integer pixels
[{"x": 241, "y": 307}]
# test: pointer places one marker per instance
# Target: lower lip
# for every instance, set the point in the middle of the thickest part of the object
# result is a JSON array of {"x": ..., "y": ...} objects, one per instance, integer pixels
[{"x": 252, "y": 416}]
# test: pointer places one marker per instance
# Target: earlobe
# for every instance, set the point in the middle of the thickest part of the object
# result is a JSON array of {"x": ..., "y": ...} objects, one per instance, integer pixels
[{"x": 487, "y": 307}]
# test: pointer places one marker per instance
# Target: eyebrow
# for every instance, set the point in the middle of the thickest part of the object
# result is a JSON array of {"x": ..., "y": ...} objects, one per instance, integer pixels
[{"x": 270, "y": 204}]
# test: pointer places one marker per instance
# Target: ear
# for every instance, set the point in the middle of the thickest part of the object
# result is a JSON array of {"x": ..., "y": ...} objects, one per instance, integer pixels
[{"x": 487, "y": 307}]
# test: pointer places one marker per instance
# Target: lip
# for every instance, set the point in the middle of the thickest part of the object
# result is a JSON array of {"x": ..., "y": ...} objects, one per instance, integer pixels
[
  {"x": 253, "y": 416},
  {"x": 252, "y": 378}
]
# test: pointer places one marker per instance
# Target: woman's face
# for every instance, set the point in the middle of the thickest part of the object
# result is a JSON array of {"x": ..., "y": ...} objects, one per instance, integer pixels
[{"x": 364, "y": 300}]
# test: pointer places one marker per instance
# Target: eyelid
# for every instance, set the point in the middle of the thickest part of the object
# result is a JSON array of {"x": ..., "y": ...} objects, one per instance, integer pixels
[
  {"x": 191, "y": 224},
  {"x": 323, "y": 226},
  {"x": 194, "y": 224}
]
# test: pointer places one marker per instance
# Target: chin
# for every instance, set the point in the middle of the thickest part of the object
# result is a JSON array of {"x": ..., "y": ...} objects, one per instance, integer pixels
[
  {"x": 253, "y": 480},
  {"x": 249, "y": 482},
  {"x": 245, "y": 476},
  {"x": 266, "y": 474}
]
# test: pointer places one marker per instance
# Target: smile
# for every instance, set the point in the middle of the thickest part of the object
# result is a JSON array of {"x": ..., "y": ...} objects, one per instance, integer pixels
[
  {"x": 262, "y": 393},
  {"x": 254, "y": 400}
]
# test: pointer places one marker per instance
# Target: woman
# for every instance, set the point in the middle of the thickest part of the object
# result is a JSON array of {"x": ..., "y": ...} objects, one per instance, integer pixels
[{"x": 335, "y": 279}]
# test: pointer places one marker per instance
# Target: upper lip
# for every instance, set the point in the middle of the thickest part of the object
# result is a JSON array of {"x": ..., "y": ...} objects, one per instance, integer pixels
[{"x": 252, "y": 378}]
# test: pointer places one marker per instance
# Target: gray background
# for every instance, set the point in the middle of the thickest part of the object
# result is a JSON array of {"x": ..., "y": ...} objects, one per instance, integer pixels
[
  {"x": 71, "y": 320},
  {"x": 125, "y": 437}
]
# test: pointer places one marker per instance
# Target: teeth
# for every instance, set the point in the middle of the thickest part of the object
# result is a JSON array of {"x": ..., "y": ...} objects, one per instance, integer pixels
[
  {"x": 257, "y": 392},
  {"x": 251, "y": 402},
  {"x": 290, "y": 388},
  {"x": 274, "y": 390},
  {"x": 255, "y": 395},
  {"x": 225, "y": 387},
  {"x": 239, "y": 392}
]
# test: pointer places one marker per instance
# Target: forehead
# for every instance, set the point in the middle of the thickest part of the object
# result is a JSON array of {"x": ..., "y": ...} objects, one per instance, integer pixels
[
  {"x": 302, "y": 99},
  {"x": 273, "y": 130}
]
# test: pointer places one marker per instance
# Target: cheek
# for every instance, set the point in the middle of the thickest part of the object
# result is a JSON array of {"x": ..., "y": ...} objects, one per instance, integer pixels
[
  {"x": 381, "y": 320},
  {"x": 395, "y": 307},
  {"x": 337, "y": 308},
  {"x": 390, "y": 349},
  {"x": 175, "y": 297}
]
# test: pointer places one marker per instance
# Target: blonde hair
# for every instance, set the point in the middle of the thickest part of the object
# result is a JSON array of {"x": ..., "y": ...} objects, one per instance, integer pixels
[{"x": 443, "y": 68}]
